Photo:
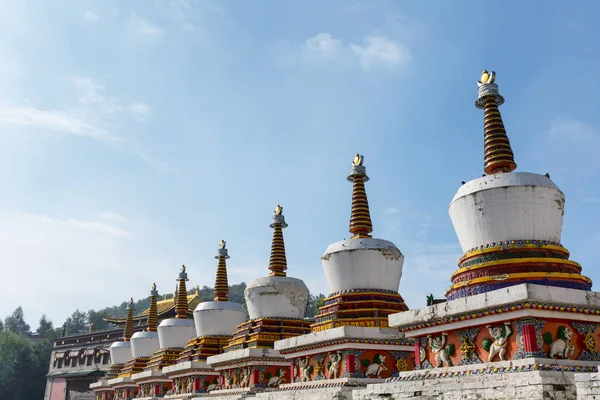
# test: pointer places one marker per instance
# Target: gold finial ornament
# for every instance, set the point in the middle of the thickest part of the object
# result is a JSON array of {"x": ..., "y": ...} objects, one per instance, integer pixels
[
  {"x": 198, "y": 289},
  {"x": 154, "y": 286},
  {"x": 358, "y": 159},
  {"x": 131, "y": 301},
  {"x": 487, "y": 77},
  {"x": 222, "y": 244},
  {"x": 278, "y": 210},
  {"x": 182, "y": 268}
]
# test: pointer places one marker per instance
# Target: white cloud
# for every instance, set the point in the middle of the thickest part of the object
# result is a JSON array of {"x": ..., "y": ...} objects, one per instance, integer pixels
[
  {"x": 91, "y": 16},
  {"x": 53, "y": 120},
  {"x": 179, "y": 8},
  {"x": 142, "y": 27},
  {"x": 140, "y": 109},
  {"x": 569, "y": 128},
  {"x": 380, "y": 51},
  {"x": 324, "y": 45},
  {"x": 91, "y": 93},
  {"x": 376, "y": 51}
]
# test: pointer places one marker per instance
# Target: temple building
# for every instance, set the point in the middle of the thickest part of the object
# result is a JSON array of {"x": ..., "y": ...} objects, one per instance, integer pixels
[
  {"x": 215, "y": 323},
  {"x": 276, "y": 306}
]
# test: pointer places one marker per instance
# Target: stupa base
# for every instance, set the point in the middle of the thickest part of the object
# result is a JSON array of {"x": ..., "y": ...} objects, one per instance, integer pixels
[
  {"x": 124, "y": 388},
  {"x": 366, "y": 355},
  {"x": 191, "y": 378},
  {"x": 153, "y": 383},
  {"x": 588, "y": 385},
  {"x": 513, "y": 323},
  {"x": 530, "y": 378},
  {"x": 249, "y": 370},
  {"x": 102, "y": 390}
]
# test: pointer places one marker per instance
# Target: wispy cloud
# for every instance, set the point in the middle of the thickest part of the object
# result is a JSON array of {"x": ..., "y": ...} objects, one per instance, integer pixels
[
  {"x": 324, "y": 45},
  {"x": 376, "y": 51},
  {"x": 180, "y": 8},
  {"x": 569, "y": 128},
  {"x": 94, "y": 94},
  {"x": 380, "y": 51},
  {"x": 141, "y": 27},
  {"x": 141, "y": 111},
  {"x": 52, "y": 120},
  {"x": 91, "y": 16}
]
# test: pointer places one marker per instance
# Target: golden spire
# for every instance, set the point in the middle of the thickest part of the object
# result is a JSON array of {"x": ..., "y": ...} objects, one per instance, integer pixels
[
  {"x": 221, "y": 286},
  {"x": 278, "y": 261},
  {"x": 153, "y": 313},
  {"x": 181, "y": 304},
  {"x": 128, "y": 330},
  {"x": 360, "y": 217},
  {"x": 498, "y": 155}
]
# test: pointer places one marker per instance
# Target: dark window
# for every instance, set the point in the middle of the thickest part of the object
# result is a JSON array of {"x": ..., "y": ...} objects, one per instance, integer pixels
[
  {"x": 89, "y": 360},
  {"x": 60, "y": 363},
  {"x": 105, "y": 358},
  {"x": 74, "y": 362}
]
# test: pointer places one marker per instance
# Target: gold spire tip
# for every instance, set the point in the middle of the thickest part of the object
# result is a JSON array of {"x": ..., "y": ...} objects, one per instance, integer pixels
[
  {"x": 278, "y": 210},
  {"x": 222, "y": 244},
  {"x": 154, "y": 286},
  {"x": 182, "y": 268},
  {"x": 358, "y": 159},
  {"x": 488, "y": 77}
]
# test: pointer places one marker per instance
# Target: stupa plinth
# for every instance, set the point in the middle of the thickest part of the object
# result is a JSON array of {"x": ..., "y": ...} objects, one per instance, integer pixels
[
  {"x": 173, "y": 334},
  {"x": 215, "y": 322},
  {"x": 517, "y": 303},
  {"x": 276, "y": 306},
  {"x": 351, "y": 344}
]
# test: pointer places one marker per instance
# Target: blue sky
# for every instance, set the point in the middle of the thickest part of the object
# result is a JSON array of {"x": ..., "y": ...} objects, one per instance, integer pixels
[{"x": 134, "y": 136}]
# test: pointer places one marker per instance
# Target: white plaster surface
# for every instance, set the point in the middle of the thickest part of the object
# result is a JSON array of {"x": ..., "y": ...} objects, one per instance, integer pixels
[
  {"x": 362, "y": 264},
  {"x": 338, "y": 393},
  {"x": 144, "y": 344},
  {"x": 175, "y": 369},
  {"x": 276, "y": 296},
  {"x": 512, "y": 294},
  {"x": 120, "y": 352},
  {"x": 509, "y": 206},
  {"x": 175, "y": 332},
  {"x": 218, "y": 317},
  {"x": 337, "y": 333}
]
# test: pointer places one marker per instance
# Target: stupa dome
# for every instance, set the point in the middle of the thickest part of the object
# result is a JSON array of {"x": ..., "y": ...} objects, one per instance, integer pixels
[
  {"x": 175, "y": 332},
  {"x": 508, "y": 206},
  {"x": 277, "y": 295},
  {"x": 221, "y": 316},
  {"x": 120, "y": 352},
  {"x": 144, "y": 344}
]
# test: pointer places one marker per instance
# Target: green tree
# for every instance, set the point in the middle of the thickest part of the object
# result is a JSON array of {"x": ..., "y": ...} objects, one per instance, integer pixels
[
  {"x": 1, "y": 325},
  {"x": 16, "y": 322},
  {"x": 97, "y": 318},
  {"x": 46, "y": 327},
  {"x": 76, "y": 323},
  {"x": 16, "y": 367},
  {"x": 314, "y": 303}
]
